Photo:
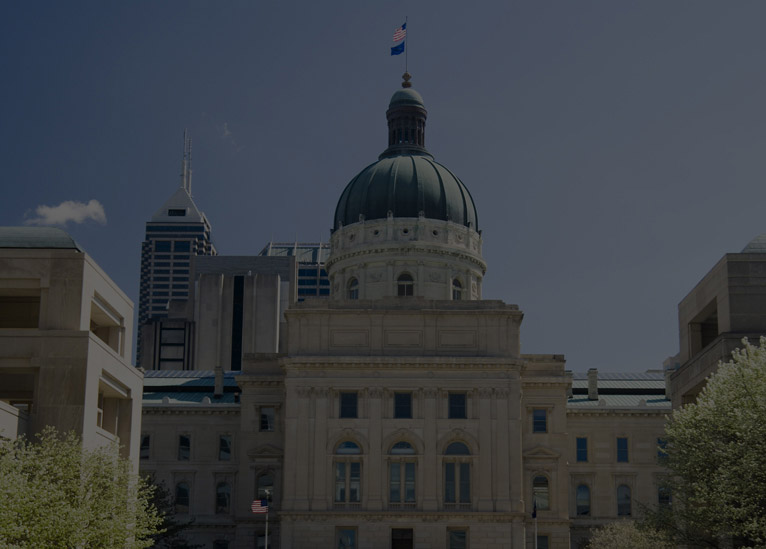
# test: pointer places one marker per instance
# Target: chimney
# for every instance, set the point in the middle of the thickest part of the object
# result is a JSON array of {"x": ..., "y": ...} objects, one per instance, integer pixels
[
  {"x": 218, "y": 391},
  {"x": 592, "y": 384}
]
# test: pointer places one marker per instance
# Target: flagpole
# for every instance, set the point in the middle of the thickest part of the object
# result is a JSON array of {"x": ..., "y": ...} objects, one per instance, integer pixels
[
  {"x": 405, "y": 46},
  {"x": 266, "y": 545}
]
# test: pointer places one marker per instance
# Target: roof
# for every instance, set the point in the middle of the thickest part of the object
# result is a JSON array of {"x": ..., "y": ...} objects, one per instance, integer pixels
[
  {"x": 756, "y": 245},
  {"x": 181, "y": 200},
  {"x": 620, "y": 390},
  {"x": 188, "y": 387},
  {"x": 620, "y": 402},
  {"x": 36, "y": 237},
  {"x": 304, "y": 252}
]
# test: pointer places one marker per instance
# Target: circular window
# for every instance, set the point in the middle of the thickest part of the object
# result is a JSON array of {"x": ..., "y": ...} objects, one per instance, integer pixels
[
  {"x": 376, "y": 232},
  {"x": 405, "y": 231},
  {"x": 436, "y": 233},
  {"x": 351, "y": 237}
]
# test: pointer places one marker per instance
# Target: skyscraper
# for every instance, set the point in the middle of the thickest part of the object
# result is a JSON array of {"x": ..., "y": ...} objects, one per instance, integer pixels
[{"x": 175, "y": 232}]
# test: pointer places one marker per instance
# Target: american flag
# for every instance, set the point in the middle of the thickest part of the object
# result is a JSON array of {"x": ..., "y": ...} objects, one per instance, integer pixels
[
  {"x": 400, "y": 33},
  {"x": 260, "y": 506}
]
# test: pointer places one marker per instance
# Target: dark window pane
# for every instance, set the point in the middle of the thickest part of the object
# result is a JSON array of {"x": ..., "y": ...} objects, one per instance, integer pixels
[
  {"x": 457, "y": 539},
  {"x": 267, "y": 418},
  {"x": 583, "y": 500},
  {"x": 224, "y": 448},
  {"x": 348, "y": 402},
  {"x": 622, "y": 449},
  {"x": 449, "y": 483},
  {"x": 540, "y": 421},
  {"x": 582, "y": 449},
  {"x": 182, "y": 498},
  {"x": 222, "y": 498},
  {"x": 541, "y": 492},
  {"x": 457, "y": 406},
  {"x": 184, "y": 447},
  {"x": 623, "y": 501},
  {"x": 403, "y": 405},
  {"x": 145, "y": 447}
]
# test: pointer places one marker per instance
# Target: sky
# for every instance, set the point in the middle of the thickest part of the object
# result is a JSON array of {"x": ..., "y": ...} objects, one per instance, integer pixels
[{"x": 614, "y": 150}]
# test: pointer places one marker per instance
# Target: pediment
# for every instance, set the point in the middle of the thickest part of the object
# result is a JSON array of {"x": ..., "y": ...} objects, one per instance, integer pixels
[
  {"x": 265, "y": 450},
  {"x": 541, "y": 453}
]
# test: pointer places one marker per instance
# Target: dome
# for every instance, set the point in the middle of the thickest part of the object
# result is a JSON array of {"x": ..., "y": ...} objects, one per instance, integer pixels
[
  {"x": 406, "y": 180},
  {"x": 406, "y": 185}
]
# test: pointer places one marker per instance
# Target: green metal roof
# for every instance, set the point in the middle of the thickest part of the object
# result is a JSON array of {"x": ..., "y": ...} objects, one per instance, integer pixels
[
  {"x": 406, "y": 97},
  {"x": 36, "y": 237},
  {"x": 620, "y": 402}
]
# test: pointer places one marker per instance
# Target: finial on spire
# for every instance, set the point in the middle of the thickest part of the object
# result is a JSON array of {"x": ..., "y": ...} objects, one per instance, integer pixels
[{"x": 406, "y": 84}]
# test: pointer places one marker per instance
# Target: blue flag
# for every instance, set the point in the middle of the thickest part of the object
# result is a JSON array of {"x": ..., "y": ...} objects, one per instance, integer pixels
[{"x": 398, "y": 49}]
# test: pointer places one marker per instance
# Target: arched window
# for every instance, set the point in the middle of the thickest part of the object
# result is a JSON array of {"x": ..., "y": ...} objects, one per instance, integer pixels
[
  {"x": 401, "y": 475},
  {"x": 265, "y": 486},
  {"x": 405, "y": 285},
  {"x": 582, "y": 500},
  {"x": 541, "y": 492},
  {"x": 222, "y": 498},
  {"x": 457, "y": 476},
  {"x": 457, "y": 290},
  {"x": 353, "y": 289},
  {"x": 624, "y": 503},
  {"x": 348, "y": 474},
  {"x": 182, "y": 498}
]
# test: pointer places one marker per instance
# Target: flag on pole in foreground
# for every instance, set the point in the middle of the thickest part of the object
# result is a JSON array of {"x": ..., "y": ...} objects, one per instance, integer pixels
[
  {"x": 396, "y": 50},
  {"x": 400, "y": 33},
  {"x": 260, "y": 506}
]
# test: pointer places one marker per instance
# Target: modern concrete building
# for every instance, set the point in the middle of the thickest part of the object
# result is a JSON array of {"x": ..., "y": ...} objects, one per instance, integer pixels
[
  {"x": 176, "y": 232},
  {"x": 311, "y": 258},
  {"x": 65, "y": 343},
  {"x": 400, "y": 412},
  {"x": 729, "y": 303}
]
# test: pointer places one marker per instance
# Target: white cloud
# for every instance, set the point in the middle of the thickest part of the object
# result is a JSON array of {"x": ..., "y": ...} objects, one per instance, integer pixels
[{"x": 67, "y": 211}]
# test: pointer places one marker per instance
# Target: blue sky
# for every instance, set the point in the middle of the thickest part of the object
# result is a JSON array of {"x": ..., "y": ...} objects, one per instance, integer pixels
[{"x": 615, "y": 150}]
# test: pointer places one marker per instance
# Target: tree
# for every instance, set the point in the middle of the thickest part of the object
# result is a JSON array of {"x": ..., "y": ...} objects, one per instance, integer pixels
[
  {"x": 171, "y": 533},
  {"x": 716, "y": 454},
  {"x": 55, "y": 494},
  {"x": 624, "y": 534}
]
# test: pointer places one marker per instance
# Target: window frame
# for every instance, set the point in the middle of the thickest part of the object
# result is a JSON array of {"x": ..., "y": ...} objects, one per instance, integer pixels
[
  {"x": 451, "y": 405},
  {"x": 272, "y": 425},
  {"x": 581, "y": 454},
  {"x": 180, "y": 454},
  {"x": 187, "y": 505},
  {"x": 622, "y": 454},
  {"x": 344, "y": 409},
  {"x": 405, "y": 285},
  {"x": 539, "y": 420},
  {"x": 401, "y": 462},
  {"x": 347, "y": 461},
  {"x": 621, "y": 504},
  {"x": 466, "y": 541},
  {"x": 352, "y": 289},
  {"x": 226, "y": 508},
  {"x": 339, "y": 532},
  {"x": 458, "y": 466},
  {"x": 397, "y": 407},
  {"x": 577, "y": 500},
  {"x": 540, "y": 497},
  {"x": 145, "y": 451},
  {"x": 457, "y": 289}
]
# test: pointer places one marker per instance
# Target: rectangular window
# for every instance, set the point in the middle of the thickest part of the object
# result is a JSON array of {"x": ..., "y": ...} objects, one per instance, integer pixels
[
  {"x": 402, "y": 538},
  {"x": 543, "y": 542},
  {"x": 345, "y": 538},
  {"x": 184, "y": 447},
  {"x": 582, "y": 449},
  {"x": 457, "y": 406},
  {"x": 224, "y": 447},
  {"x": 267, "y": 418},
  {"x": 457, "y": 538},
  {"x": 176, "y": 212},
  {"x": 146, "y": 441},
  {"x": 403, "y": 405},
  {"x": 401, "y": 482},
  {"x": 162, "y": 245},
  {"x": 348, "y": 405},
  {"x": 183, "y": 246},
  {"x": 622, "y": 449},
  {"x": 539, "y": 420}
]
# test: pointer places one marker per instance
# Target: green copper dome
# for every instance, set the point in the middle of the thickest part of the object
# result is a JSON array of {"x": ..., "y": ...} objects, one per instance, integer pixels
[{"x": 406, "y": 180}]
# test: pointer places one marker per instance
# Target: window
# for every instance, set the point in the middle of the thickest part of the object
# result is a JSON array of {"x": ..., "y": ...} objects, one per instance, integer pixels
[
  {"x": 457, "y": 290},
  {"x": 623, "y": 501},
  {"x": 622, "y": 450},
  {"x": 401, "y": 538},
  {"x": 582, "y": 500},
  {"x": 457, "y": 406},
  {"x": 543, "y": 541},
  {"x": 401, "y": 474},
  {"x": 348, "y": 473},
  {"x": 457, "y": 475},
  {"x": 20, "y": 308},
  {"x": 182, "y": 498},
  {"x": 146, "y": 441},
  {"x": 457, "y": 538},
  {"x": 162, "y": 245},
  {"x": 345, "y": 537},
  {"x": 267, "y": 418},
  {"x": 664, "y": 496},
  {"x": 265, "y": 486},
  {"x": 176, "y": 212},
  {"x": 541, "y": 492},
  {"x": 353, "y": 289},
  {"x": 182, "y": 246},
  {"x": 582, "y": 449},
  {"x": 405, "y": 285},
  {"x": 224, "y": 447},
  {"x": 184, "y": 447},
  {"x": 403, "y": 405},
  {"x": 348, "y": 405},
  {"x": 220, "y": 544},
  {"x": 539, "y": 420},
  {"x": 222, "y": 498}
]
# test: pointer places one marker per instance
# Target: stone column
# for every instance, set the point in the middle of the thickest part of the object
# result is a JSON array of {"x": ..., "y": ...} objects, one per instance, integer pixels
[
  {"x": 319, "y": 496},
  {"x": 299, "y": 459},
  {"x": 375, "y": 471},
  {"x": 485, "y": 449},
  {"x": 430, "y": 474},
  {"x": 503, "y": 452}
]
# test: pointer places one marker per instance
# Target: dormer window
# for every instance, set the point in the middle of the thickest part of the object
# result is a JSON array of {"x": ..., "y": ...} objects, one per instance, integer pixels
[
  {"x": 405, "y": 285},
  {"x": 176, "y": 212}
]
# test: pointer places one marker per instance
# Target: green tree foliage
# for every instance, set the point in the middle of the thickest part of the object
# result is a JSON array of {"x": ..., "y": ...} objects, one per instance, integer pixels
[
  {"x": 624, "y": 534},
  {"x": 55, "y": 494},
  {"x": 171, "y": 534},
  {"x": 717, "y": 458}
]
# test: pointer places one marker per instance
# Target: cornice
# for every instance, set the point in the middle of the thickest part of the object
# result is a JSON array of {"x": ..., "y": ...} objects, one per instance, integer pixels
[
  {"x": 409, "y": 249},
  {"x": 633, "y": 411},
  {"x": 408, "y": 515},
  {"x": 183, "y": 409}
]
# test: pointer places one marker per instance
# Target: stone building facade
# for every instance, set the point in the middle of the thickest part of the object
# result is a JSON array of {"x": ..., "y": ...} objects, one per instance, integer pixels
[{"x": 399, "y": 412}]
